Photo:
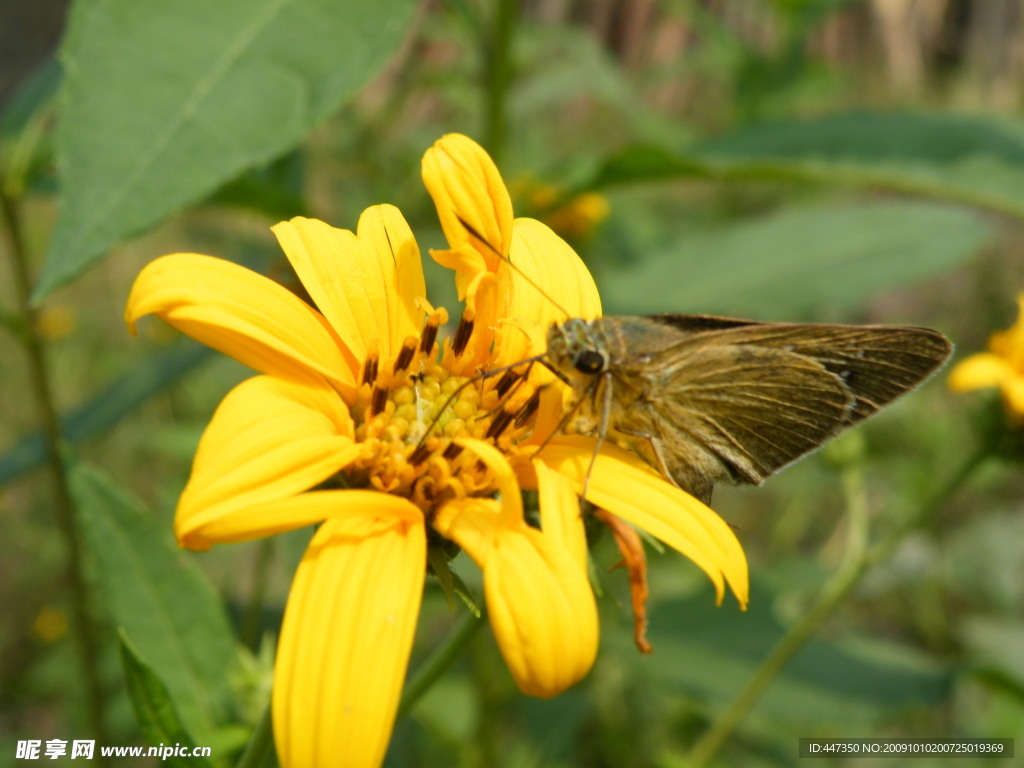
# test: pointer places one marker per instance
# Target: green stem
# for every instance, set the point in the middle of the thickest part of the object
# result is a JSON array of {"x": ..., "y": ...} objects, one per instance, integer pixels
[
  {"x": 858, "y": 560},
  {"x": 261, "y": 743},
  {"x": 440, "y": 660},
  {"x": 497, "y": 75},
  {"x": 252, "y": 618},
  {"x": 83, "y": 628}
]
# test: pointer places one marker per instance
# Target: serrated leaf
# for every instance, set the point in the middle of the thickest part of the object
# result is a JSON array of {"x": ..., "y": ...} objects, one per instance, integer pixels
[
  {"x": 785, "y": 265},
  {"x": 154, "y": 708},
  {"x": 164, "y": 102},
  {"x": 160, "y": 599}
]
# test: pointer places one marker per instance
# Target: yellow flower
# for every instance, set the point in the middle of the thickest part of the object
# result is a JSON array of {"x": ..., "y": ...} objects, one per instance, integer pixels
[
  {"x": 1002, "y": 366},
  {"x": 575, "y": 217},
  {"x": 363, "y": 422}
]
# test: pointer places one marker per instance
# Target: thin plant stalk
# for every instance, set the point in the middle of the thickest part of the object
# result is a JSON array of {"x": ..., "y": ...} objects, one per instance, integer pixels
[
  {"x": 497, "y": 74},
  {"x": 252, "y": 618},
  {"x": 83, "y": 629},
  {"x": 440, "y": 660},
  {"x": 858, "y": 560},
  {"x": 261, "y": 743}
]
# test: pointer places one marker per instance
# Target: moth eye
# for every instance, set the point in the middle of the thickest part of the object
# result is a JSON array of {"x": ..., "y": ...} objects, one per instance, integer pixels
[{"x": 589, "y": 361}]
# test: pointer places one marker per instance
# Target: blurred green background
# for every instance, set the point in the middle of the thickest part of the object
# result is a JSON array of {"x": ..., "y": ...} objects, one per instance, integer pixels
[{"x": 822, "y": 160}]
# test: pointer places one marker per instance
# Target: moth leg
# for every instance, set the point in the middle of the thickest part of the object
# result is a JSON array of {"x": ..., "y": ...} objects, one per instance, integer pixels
[
  {"x": 654, "y": 443},
  {"x": 692, "y": 482},
  {"x": 602, "y": 428}
]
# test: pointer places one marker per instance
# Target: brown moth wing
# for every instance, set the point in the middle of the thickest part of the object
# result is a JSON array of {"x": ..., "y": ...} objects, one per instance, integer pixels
[
  {"x": 717, "y": 399},
  {"x": 878, "y": 363}
]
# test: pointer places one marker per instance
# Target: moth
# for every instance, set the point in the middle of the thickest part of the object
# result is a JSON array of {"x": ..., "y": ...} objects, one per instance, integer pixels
[
  {"x": 709, "y": 399},
  {"x": 712, "y": 399}
]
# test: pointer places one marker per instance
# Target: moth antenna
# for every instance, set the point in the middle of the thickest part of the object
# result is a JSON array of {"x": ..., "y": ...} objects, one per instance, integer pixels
[{"x": 508, "y": 260}]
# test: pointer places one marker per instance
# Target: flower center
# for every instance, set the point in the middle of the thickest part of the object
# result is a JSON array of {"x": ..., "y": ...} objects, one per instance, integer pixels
[{"x": 410, "y": 413}]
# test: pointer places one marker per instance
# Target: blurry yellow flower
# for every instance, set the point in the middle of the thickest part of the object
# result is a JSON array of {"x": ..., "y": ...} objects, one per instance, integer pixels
[
  {"x": 579, "y": 217},
  {"x": 55, "y": 323},
  {"x": 363, "y": 422},
  {"x": 1002, "y": 366},
  {"x": 574, "y": 218},
  {"x": 51, "y": 624}
]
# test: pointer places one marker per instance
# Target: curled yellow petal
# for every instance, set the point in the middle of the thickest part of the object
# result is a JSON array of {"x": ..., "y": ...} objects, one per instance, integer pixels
[
  {"x": 345, "y": 642},
  {"x": 560, "y": 516},
  {"x": 625, "y": 486},
  {"x": 269, "y": 439},
  {"x": 242, "y": 314},
  {"x": 366, "y": 285},
  {"x": 468, "y": 190},
  {"x": 511, "y": 499},
  {"x": 540, "y": 604},
  {"x": 978, "y": 371}
]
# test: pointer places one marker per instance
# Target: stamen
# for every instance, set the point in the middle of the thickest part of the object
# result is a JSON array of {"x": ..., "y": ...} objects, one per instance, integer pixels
[
  {"x": 499, "y": 425},
  {"x": 429, "y": 337},
  {"x": 378, "y": 401},
  {"x": 405, "y": 354},
  {"x": 462, "y": 336},
  {"x": 529, "y": 408},
  {"x": 505, "y": 382},
  {"x": 419, "y": 454},
  {"x": 370, "y": 369},
  {"x": 452, "y": 451}
]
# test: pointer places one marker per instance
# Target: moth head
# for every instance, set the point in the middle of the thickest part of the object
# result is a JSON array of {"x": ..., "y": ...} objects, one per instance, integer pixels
[{"x": 575, "y": 352}]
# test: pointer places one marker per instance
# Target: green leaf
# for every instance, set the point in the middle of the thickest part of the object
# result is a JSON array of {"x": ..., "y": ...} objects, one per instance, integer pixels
[
  {"x": 107, "y": 407},
  {"x": 159, "y": 597},
  {"x": 164, "y": 102},
  {"x": 25, "y": 136},
  {"x": 274, "y": 190},
  {"x": 787, "y": 264},
  {"x": 978, "y": 160},
  {"x": 154, "y": 708}
]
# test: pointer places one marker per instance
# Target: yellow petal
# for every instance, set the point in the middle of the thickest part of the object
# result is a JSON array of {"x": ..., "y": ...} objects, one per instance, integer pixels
[
  {"x": 1010, "y": 343},
  {"x": 388, "y": 234},
  {"x": 625, "y": 486},
  {"x": 242, "y": 314},
  {"x": 550, "y": 262},
  {"x": 345, "y": 642},
  {"x": 467, "y": 189},
  {"x": 549, "y": 283},
  {"x": 278, "y": 515},
  {"x": 977, "y": 371},
  {"x": 269, "y": 439},
  {"x": 511, "y": 498},
  {"x": 540, "y": 604},
  {"x": 1013, "y": 395},
  {"x": 358, "y": 281},
  {"x": 560, "y": 516},
  {"x": 465, "y": 261}
]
